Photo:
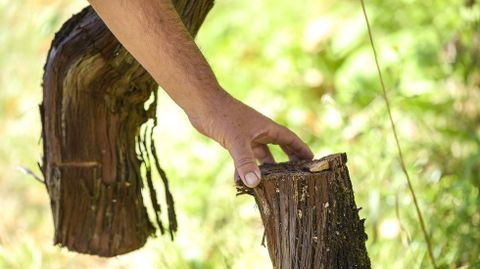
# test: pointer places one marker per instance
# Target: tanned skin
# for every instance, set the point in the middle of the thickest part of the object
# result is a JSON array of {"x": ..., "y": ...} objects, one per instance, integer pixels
[{"x": 152, "y": 31}]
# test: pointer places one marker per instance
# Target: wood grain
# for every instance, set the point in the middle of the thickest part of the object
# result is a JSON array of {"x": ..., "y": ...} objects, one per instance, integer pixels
[
  {"x": 310, "y": 218},
  {"x": 95, "y": 139}
]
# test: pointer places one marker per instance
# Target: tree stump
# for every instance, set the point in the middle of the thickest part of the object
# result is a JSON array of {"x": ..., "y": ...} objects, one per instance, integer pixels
[
  {"x": 95, "y": 139},
  {"x": 309, "y": 213}
]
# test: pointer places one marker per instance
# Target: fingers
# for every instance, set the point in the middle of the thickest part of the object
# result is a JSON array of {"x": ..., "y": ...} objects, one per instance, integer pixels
[
  {"x": 292, "y": 155},
  {"x": 236, "y": 178},
  {"x": 245, "y": 164},
  {"x": 263, "y": 154},
  {"x": 290, "y": 143},
  {"x": 293, "y": 146}
]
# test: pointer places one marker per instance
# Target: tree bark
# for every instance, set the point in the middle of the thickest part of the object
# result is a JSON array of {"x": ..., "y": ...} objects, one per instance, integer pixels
[
  {"x": 96, "y": 140},
  {"x": 309, "y": 213}
]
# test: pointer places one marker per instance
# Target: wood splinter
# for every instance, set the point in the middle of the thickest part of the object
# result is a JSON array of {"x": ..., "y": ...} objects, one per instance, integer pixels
[{"x": 318, "y": 166}]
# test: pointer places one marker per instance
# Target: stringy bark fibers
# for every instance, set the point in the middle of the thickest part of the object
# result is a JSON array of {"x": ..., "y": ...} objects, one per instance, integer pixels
[{"x": 93, "y": 110}]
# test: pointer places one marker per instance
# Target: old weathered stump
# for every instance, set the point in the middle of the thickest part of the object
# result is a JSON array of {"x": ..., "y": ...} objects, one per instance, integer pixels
[
  {"x": 94, "y": 96},
  {"x": 310, "y": 217}
]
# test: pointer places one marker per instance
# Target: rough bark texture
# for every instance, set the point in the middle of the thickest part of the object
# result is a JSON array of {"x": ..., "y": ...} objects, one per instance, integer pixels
[
  {"x": 310, "y": 217},
  {"x": 94, "y": 143}
]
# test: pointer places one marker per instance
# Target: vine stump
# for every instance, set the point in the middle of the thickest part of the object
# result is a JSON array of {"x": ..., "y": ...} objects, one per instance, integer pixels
[{"x": 309, "y": 213}]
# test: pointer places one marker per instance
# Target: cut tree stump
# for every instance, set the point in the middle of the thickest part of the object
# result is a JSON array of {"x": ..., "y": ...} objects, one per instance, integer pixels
[
  {"x": 309, "y": 213},
  {"x": 95, "y": 139}
]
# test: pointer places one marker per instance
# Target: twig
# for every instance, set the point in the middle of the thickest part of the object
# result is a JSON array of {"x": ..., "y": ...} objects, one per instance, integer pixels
[
  {"x": 27, "y": 171},
  {"x": 399, "y": 149}
]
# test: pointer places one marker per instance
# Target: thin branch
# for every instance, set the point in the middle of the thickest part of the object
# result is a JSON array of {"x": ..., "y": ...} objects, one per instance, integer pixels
[
  {"x": 399, "y": 149},
  {"x": 27, "y": 171}
]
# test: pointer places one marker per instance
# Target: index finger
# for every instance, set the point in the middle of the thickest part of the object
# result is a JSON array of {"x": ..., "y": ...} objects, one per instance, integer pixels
[{"x": 290, "y": 143}]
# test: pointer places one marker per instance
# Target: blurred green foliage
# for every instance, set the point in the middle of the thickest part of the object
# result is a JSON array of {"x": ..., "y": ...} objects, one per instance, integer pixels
[{"x": 309, "y": 66}]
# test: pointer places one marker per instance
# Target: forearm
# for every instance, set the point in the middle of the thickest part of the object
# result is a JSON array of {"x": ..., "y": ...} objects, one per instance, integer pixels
[{"x": 152, "y": 31}]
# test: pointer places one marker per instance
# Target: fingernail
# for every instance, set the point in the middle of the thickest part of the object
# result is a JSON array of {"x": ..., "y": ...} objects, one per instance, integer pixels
[{"x": 251, "y": 179}]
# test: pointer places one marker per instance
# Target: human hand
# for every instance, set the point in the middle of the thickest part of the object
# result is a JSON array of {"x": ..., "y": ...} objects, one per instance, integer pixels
[
  {"x": 245, "y": 133},
  {"x": 186, "y": 76}
]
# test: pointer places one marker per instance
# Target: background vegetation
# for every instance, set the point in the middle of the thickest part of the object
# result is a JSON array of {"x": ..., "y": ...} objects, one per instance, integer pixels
[{"x": 308, "y": 65}]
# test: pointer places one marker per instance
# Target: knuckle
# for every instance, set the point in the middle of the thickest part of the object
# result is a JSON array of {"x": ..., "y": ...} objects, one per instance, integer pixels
[
  {"x": 260, "y": 133},
  {"x": 274, "y": 134}
]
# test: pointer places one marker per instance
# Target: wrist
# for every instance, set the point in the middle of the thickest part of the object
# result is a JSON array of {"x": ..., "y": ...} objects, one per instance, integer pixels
[{"x": 208, "y": 102}]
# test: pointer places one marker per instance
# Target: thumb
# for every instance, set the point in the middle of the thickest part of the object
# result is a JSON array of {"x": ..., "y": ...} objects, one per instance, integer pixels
[{"x": 245, "y": 164}]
